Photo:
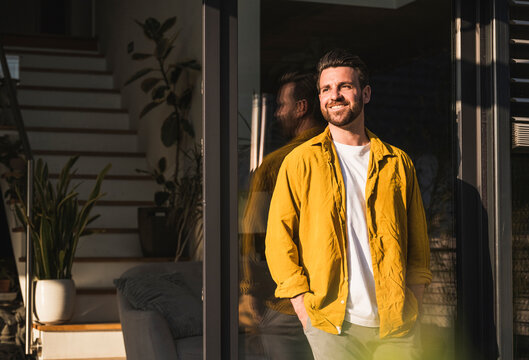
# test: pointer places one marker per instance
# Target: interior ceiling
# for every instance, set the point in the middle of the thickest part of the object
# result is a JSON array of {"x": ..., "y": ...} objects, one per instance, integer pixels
[{"x": 382, "y": 37}]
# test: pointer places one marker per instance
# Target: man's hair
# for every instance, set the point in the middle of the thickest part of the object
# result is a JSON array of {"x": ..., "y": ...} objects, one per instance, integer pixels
[
  {"x": 343, "y": 57},
  {"x": 304, "y": 89}
]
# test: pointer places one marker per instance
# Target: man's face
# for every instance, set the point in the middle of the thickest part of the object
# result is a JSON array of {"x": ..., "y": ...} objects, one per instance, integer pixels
[
  {"x": 341, "y": 98},
  {"x": 286, "y": 109}
]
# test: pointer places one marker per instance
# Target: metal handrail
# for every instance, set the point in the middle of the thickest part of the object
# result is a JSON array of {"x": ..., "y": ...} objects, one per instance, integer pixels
[{"x": 19, "y": 124}]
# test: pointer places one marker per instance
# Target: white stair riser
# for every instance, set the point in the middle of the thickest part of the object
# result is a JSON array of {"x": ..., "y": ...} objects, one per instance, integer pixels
[
  {"x": 76, "y": 119},
  {"x": 94, "y": 164},
  {"x": 82, "y": 142},
  {"x": 81, "y": 345},
  {"x": 38, "y": 78},
  {"x": 116, "y": 216},
  {"x": 63, "y": 62},
  {"x": 95, "y": 309},
  {"x": 139, "y": 190},
  {"x": 112, "y": 245},
  {"x": 69, "y": 98},
  {"x": 99, "y": 274}
]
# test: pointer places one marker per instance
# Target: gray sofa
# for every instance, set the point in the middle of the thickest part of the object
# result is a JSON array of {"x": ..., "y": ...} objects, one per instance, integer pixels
[{"x": 146, "y": 333}]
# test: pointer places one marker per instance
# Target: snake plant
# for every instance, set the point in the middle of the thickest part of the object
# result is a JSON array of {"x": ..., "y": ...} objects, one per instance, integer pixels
[{"x": 58, "y": 220}]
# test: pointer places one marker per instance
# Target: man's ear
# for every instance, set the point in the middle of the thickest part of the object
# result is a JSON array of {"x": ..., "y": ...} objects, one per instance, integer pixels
[
  {"x": 301, "y": 107},
  {"x": 366, "y": 94}
]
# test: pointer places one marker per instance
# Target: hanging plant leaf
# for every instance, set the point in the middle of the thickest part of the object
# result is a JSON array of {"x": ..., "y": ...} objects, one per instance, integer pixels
[
  {"x": 149, "y": 107},
  {"x": 149, "y": 83},
  {"x": 185, "y": 99},
  {"x": 162, "y": 164},
  {"x": 159, "y": 92},
  {"x": 138, "y": 75},
  {"x": 171, "y": 98},
  {"x": 170, "y": 130},
  {"x": 167, "y": 24},
  {"x": 151, "y": 28},
  {"x": 160, "y": 197},
  {"x": 190, "y": 64},
  {"x": 140, "y": 56},
  {"x": 188, "y": 127},
  {"x": 170, "y": 185},
  {"x": 160, "y": 179},
  {"x": 167, "y": 52},
  {"x": 175, "y": 74},
  {"x": 161, "y": 48}
]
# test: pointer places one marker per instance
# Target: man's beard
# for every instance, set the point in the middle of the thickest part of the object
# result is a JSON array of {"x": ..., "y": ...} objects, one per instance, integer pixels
[{"x": 346, "y": 119}]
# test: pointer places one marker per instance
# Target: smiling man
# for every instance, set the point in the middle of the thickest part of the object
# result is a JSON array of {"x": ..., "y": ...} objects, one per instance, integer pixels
[{"x": 346, "y": 239}]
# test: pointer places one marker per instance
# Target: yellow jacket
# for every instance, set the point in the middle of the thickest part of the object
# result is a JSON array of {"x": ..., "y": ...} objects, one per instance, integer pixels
[{"x": 306, "y": 235}]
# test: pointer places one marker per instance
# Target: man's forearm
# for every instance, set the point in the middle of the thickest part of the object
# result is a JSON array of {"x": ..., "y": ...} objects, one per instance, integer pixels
[{"x": 418, "y": 291}]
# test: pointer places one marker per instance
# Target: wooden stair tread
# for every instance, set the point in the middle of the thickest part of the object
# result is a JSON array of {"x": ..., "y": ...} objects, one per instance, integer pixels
[
  {"x": 71, "y": 108},
  {"x": 52, "y": 53},
  {"x": 50, "y": 41},
  {"x": 68, "y": 89},
  {"x": 107, "y": 177},
  {"x": 95, "y": 229},
  {"x": 89, "y": 153},
  {"x": 71, "y": 130},
  {"x": 78, "y": 327},
  {"x": 65, "y": 71},
  {"x": 96, "y": 291},
  {"x": 107, "y": 202},
  {"x": 106, "y": 259}
]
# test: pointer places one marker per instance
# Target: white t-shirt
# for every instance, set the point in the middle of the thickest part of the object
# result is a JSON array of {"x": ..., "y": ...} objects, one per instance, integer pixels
[{"x": 361, "y": 307}]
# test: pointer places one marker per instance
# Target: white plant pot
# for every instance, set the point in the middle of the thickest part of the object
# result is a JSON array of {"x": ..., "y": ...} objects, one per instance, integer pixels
[{"x": 54, "y": 300}]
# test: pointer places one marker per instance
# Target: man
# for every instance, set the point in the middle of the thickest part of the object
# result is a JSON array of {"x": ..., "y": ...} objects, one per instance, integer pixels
[
  {"x": 346, "y": 240},
  {"x": 280, "y": 333}
]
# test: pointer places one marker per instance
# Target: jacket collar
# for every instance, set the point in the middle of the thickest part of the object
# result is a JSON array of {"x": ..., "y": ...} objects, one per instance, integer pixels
[{"x": 379, "y": 148}]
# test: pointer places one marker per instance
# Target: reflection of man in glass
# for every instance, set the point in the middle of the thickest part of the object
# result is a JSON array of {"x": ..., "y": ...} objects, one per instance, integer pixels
[
  {"x": 274, "y": 320},
  {"x": 346, "y": 240}
]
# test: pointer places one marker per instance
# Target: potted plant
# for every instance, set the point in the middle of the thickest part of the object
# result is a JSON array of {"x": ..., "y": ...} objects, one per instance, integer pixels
[
  {"x": 6, "y": 277},
  {"x": 166, "y": 229},
  {"x": 58, "y": 221}
]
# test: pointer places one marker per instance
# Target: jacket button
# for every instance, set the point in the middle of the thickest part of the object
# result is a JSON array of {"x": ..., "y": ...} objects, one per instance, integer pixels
[{"x": 343, "y": 302}]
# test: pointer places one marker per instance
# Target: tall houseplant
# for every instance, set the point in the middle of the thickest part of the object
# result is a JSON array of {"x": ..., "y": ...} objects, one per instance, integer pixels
[
  {"x": 58, "y": 221},
  {"x": 178, "y": 212}
]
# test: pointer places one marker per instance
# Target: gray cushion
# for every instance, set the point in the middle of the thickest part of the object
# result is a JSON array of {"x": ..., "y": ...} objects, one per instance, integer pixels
[{"x": 169, "y": 295}]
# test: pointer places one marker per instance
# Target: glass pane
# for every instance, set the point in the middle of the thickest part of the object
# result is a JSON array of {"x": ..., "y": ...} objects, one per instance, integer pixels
[{"x": 408, "y": 55}]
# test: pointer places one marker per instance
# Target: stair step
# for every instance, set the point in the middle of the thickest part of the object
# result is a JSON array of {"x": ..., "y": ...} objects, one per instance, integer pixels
[
  {"x": 72, "y": 108},
  {"x": 78, "y": 327},
  {"x": 75, "y": 117},
  {"x": 55, "y": 96},
  {"x": 79, "y": 142},
  {"x": 123, "y": 163},
  {"x": 72, "y": 78},
  {"x": 49, "y": 41},
  {"x": 116, "y": 259},
  {"x": 60, "y": 60}
]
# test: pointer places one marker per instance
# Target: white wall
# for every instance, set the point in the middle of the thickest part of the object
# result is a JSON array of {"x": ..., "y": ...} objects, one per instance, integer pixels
[{"x": 115, "y": 28}]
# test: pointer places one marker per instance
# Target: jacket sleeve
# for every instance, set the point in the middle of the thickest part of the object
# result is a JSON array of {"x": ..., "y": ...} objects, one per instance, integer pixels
[
  {"x": 281, "y": 244},
  {"x": 418, "y": 266}
]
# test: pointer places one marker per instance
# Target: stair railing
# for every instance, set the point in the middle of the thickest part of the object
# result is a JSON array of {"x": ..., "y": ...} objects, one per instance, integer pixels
[{"x": 26, "y": 149}]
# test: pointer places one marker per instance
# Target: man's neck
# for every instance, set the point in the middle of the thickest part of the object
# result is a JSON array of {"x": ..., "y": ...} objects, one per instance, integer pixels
[
  {"x": 305, "y": 124},
  {"x": 353, "y": 134}
]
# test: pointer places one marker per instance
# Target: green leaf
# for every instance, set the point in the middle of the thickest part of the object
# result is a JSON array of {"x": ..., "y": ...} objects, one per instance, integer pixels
[
  {"x": 185, "y": 99},
  {"x": 162, "y": 163},
  {"x": 170, "y": 185},
  {"x": 149, "y": 83},
  {"x": 161, "y": 48},
  {"x": 175, "y": 74},
  {"x": 190, "y": 64},
  {"x": 151, "y": 28},
  {"x": 160, "y": 197},
  {"x": 159, "y": 92},
  {"x": 140, "y": 56},
  {"x": 167, "y": 24},
  {"x": 171, "y": 98},
  {"x": 167, "y": 52},
  {"x": 138, "y": 75},
  {"x": 149, "y": 107},
  {"x": 160, "y": 179},
  {"x": 170, "y": 130},
  {"x": 188, "y": 127}
]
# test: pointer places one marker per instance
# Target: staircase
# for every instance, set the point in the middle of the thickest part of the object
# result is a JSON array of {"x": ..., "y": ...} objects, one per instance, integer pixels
[{"x": 70, "y": 105}]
